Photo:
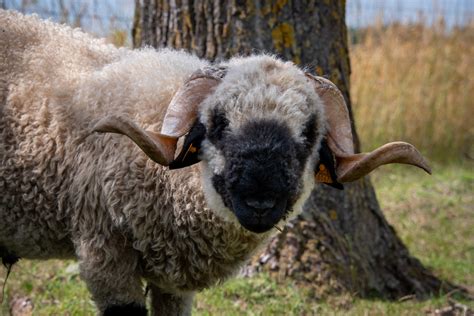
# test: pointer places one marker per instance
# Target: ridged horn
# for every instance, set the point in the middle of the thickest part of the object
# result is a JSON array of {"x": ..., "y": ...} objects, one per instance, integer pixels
[
  {"x": 180, "y": 116},
  {"x": 349, "y": 165},
  {"x": 353, "y": 167},
  {"x": 339, "y": 131},
  {"x": 160, "y": 148},
  {"x": 182, "y": 111}
]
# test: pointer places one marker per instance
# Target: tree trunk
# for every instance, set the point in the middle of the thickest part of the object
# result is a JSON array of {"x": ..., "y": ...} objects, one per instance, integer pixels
[{"x": 342, "y": 242}]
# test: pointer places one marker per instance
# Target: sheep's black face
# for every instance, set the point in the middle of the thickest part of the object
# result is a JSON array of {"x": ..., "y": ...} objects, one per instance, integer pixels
[{"x": 261, "y": 178}]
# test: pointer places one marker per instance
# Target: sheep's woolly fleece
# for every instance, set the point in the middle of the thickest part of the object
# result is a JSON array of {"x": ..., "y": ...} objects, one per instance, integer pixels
[{"x": 57, "y": 181}]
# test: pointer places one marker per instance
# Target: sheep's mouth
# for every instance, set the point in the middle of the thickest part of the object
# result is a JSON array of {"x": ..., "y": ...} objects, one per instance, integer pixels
[{"x": 259, "y": 216}]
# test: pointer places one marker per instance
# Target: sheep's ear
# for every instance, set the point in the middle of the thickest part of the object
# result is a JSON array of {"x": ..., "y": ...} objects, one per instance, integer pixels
[
  {"x": 189, "y": 155},
  {"x": 349, "y": 165},
  {"x": 180, "y": 116}
]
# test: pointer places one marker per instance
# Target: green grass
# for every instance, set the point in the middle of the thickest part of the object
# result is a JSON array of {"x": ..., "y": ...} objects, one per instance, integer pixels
[
  {"x": 433, "y": 215},
  {"x": 54, "y": 286},
  {"x": 285, "y": 299}
]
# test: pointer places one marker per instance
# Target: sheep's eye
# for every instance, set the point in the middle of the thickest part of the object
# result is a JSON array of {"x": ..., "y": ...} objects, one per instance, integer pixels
[
  {"x": 309, "y": 134},
  {"x": 218, "y": 124},
  {"x": 309, "y": 131}
]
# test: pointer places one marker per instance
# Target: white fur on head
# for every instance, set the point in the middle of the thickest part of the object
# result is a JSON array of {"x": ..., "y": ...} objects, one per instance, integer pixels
[{"x": 264, "y": 87}]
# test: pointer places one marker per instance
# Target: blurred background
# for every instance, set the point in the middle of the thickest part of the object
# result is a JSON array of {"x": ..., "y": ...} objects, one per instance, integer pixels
[
  {"x": 103, "y": 17},
  {"x": 412, "y": 63}
]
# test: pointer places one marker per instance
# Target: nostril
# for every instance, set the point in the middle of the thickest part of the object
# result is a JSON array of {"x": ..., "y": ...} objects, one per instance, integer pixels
[{"x": 260, "y": 204}]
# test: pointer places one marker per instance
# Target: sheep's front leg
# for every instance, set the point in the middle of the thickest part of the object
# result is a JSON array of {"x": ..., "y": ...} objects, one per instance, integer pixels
[
  {"x": 170, "y": 304},
  {"x": 111, "y": 272}
]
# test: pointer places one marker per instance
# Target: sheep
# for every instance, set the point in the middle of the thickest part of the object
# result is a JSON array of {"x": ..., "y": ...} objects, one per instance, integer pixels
[{"x": 216, "y": 156}]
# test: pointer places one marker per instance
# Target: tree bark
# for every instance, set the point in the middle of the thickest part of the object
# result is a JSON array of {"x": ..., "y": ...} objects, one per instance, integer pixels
[{"x": 342, "y": 242}]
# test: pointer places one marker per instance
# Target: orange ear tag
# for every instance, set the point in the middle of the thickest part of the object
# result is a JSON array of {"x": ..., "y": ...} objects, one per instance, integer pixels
[
  {"x": 323, "y": 175},
  {"x": 191, "y": 149}
]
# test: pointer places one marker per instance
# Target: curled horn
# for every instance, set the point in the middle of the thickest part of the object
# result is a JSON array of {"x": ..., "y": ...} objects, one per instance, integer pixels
[
  {"x": 349, "y": 165},
  {"x": 180, "y": 116}
]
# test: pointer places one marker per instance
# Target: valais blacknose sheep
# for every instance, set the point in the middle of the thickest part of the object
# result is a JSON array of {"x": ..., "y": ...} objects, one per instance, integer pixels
[{"x": 141, "y": 208}]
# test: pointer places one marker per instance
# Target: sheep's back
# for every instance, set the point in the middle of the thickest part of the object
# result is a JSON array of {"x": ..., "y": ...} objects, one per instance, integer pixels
[{"x": 55, "y": 83}]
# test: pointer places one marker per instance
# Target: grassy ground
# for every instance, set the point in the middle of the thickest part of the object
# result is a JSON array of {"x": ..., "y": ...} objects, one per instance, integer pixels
[{"x": 432, "y": 214}]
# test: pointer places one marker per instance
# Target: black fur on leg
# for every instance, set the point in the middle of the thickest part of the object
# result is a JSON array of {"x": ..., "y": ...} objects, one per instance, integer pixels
[
  {"x": 8, "y": 259},
  {"x": 125, "y": 310}
]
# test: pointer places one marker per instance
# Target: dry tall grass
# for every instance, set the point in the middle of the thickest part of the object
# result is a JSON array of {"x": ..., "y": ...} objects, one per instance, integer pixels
[{"x": 415, "y": 83}]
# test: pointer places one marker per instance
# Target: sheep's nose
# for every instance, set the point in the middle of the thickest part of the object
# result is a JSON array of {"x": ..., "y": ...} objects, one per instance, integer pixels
[{"x": 260, "y": 206}]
